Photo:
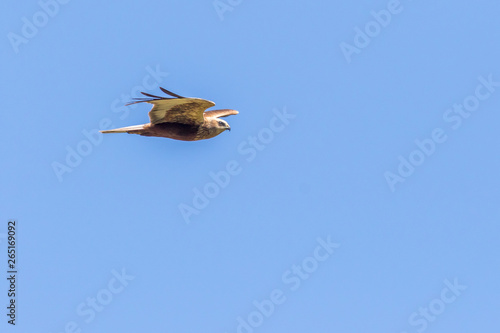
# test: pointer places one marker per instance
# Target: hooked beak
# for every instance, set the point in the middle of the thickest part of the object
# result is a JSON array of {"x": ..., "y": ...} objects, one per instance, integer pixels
[{"x": 228, "y": 128}]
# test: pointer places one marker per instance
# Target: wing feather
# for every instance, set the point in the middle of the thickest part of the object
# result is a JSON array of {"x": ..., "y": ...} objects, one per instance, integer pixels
[
  {"x": 153, "y": 97},
  {"x": 149, "y": 95},
  {"x": 170, "y": 93}
]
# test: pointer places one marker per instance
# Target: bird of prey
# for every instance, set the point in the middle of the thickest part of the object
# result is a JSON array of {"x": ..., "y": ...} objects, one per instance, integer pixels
[{"x": 179, "y": 118}]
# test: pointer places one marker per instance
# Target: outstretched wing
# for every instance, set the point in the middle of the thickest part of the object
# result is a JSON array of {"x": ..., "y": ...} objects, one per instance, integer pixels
[
  {"x": 179, "y": 109},
  {"x": 187, "y": 111},
  {"x": 220, "y": 113}
]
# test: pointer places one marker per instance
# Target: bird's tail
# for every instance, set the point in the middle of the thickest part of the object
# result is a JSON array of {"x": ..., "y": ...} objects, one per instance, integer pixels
[{"x": 136, "y": 129}]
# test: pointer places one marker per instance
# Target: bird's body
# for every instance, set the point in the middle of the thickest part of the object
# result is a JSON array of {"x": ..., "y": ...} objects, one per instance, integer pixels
[
  {"x": 174, "y": 131},
  {"x": 180, "y": 118}
]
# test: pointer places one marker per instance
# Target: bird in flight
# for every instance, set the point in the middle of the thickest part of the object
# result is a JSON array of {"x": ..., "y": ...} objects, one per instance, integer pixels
[{"x": 179, "y": 118}]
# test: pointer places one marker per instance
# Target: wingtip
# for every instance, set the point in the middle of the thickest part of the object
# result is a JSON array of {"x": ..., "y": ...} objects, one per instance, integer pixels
[
  {"x": 170, "y": 93},
  {"x": 150, "y": 95}
]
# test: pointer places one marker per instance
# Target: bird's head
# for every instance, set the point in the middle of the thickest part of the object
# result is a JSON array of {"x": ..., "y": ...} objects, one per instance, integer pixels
[
  {"x": 218, "y": 125},
  {"x": 214, "y": 124},
  {"x": 222, "y": 124}
]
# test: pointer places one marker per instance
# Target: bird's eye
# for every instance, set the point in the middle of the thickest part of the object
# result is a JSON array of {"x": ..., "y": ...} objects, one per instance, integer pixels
[{"x": 221, "y": 123}]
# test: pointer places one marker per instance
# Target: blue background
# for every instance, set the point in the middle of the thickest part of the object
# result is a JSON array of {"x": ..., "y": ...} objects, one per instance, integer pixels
[{"x": 322, "y": 176}]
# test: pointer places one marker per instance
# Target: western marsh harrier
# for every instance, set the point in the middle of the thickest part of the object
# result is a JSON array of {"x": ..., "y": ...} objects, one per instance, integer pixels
[{"x": 179, "y": 118}]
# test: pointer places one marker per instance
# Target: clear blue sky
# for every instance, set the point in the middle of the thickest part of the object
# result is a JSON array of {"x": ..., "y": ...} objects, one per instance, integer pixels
[{"x": 357, "y": 191}]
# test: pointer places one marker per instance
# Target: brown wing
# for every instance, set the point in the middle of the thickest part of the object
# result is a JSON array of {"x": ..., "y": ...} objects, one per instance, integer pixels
[
  {"x": 179, "y": 109},
  {"x": 187, "y": 111},
  {"x": 220, "y": 113}
]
